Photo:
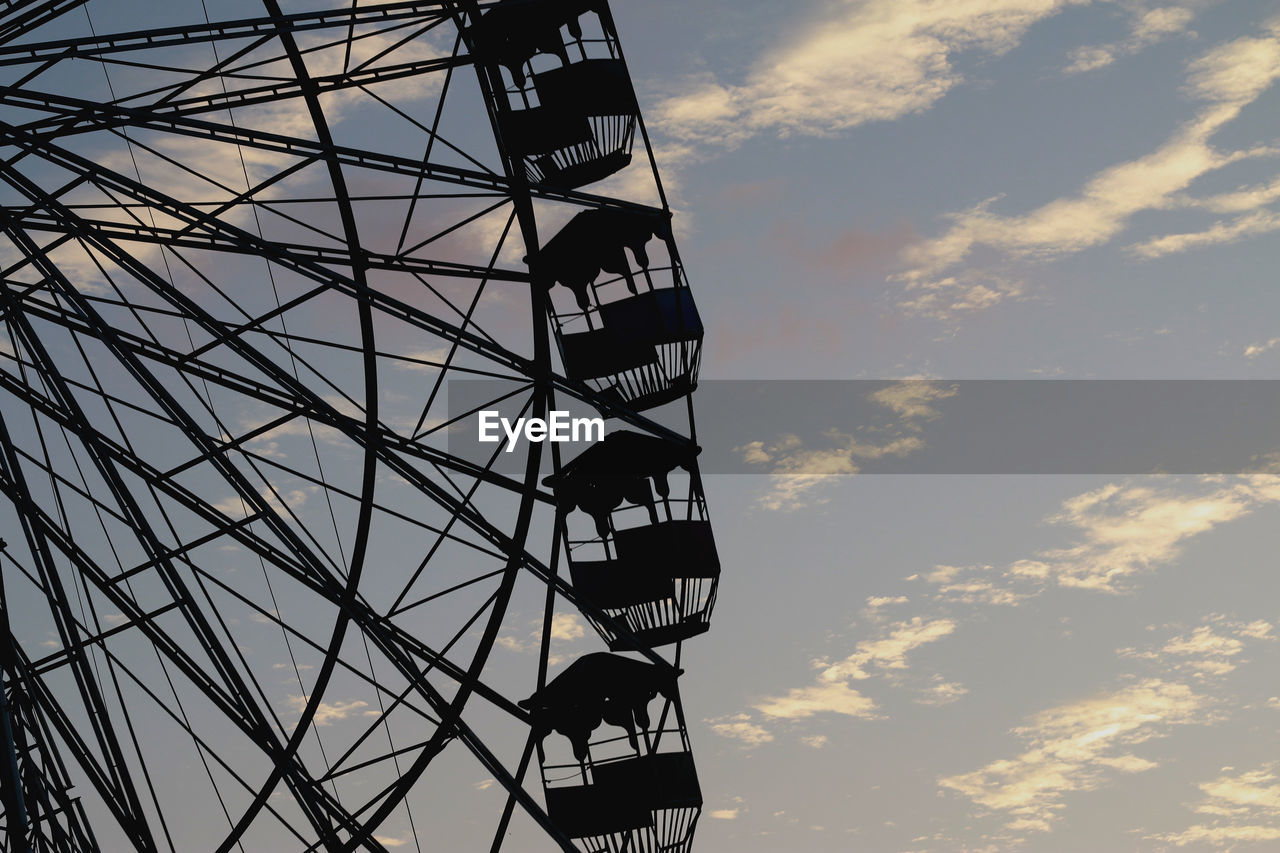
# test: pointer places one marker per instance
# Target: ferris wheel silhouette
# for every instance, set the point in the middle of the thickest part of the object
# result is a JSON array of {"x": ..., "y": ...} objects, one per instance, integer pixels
[{"x": 249, "y": 597}]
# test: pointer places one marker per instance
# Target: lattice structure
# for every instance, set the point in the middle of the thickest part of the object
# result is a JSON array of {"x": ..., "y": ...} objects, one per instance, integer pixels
[{"x": 251, "y": 600}]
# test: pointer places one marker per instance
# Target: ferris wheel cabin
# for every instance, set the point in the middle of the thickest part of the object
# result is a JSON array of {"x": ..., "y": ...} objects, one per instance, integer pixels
[
  {"x": 630, "y": 336},
  {"x": 651, "y": 566},
  {"x": 636, "y": 791},
  {"x": 574, "y": 111}
]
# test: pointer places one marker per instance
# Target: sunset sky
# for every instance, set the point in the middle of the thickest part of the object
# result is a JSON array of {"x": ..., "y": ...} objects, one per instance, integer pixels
[{"x": 915, "y": 191}]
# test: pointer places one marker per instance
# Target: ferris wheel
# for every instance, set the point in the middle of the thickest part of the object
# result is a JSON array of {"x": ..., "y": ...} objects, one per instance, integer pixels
[{"x": 250, "y": 599}]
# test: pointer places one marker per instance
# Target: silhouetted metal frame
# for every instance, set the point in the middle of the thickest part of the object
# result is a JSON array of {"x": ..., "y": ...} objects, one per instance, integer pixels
[{"x": 379, "y": 444}]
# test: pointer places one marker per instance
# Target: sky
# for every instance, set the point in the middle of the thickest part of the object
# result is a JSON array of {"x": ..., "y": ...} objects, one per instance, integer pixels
[
  {"x": 891, "y": 190},
  {"x": 980, "y": 190}
]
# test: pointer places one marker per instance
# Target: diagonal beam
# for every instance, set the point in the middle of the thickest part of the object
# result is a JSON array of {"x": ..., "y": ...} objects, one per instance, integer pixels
[
  {"x": 106, "y": 43},
  {"x": 271, "y": 92},
  {"x": 185, "y": 238},
  {"x": 27, "y": 16}
]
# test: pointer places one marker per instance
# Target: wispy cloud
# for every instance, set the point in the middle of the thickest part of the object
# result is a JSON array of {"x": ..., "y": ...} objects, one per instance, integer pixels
[
  {"x": 1224, "y": 80},
  {"x": 877, "y": 603},
  {"x": 1077, "y": 747},
  {"x": 1122, "y": 530},
  {"x": 1222, "y": 836},
  {"x": 423, "y": 360},
  {"x": 1128, "y": 529},
  {"x": 328, "y": 713},
  {"x": 942, "y": 693},
  {"x": 1148, "y": 27},
  {"x": 1208, "y": 651},
  {"x": 1255, "y": 350},
  {"x": 1219, "y": 233},
  {"x": 565, "y": 627},
  {"x": 797, "y": 469},
  {"x": 824, "y": 698},
  {"x": 740, "y": 727},
  {"x": 887, "y": 653},
  {"x": 875, "y": 60},
  {"x": 1241, "y": 807},
  {"x": 914, "y": 399},
  {"x": 281, "y": 500},
  {"x": 978, "y": 585}
]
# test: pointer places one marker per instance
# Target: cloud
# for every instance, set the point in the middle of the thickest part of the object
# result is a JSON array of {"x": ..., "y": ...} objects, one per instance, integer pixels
[
  {"x": 942, "y": 693},
  {"x": 1128, "y": 529},
  {"x": 510, "y": 643},
  {"x": 796, "y": 469},
  {"x": 75, "y": 262},
  {"x": 1240, "y": 200},
  {"x": 1220, "y": 233},
  {"x": 1121, "y": 531},
  {"x": 815, "y": 741},
  {"x": 327, "y": 714},
  {"x": 914, "y": 399},
  {"x": 739, "y": 727},
  {"x": 1077, "y": 747},
  {"x": 1255, "y": 350},
  {"x": 1090, "y": 59},
  {"x": 723, "y": 814},
  {"x": 268, "y": 442},
  {"x": 566, "y": 627},
  {"x": 885, "y": 655},
  {"x": 1148, "y": 27},
  {"x": 1209, "y": 651},
  {"x": 1221, "y": 836},
  {"x": 1241, "y": 794},
  {"x": 978, "y": 585},
  {"x": 484, "y": 784},
  {"x": 827, "y": 698},
  {"x": 875, "y": 60},
  {"x": 1225, "y": 80},
  {"x": 888, "y": 652},
  {"x": 423, "y": 360},
  {"x": 1244, "y": 807},
  {"x": 879, "y": 602},
  {"x": 283, "y": 501}
]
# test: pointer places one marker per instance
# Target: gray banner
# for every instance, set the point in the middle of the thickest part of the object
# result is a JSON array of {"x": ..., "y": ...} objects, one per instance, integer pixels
[{"x": 808, "y": 427}]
